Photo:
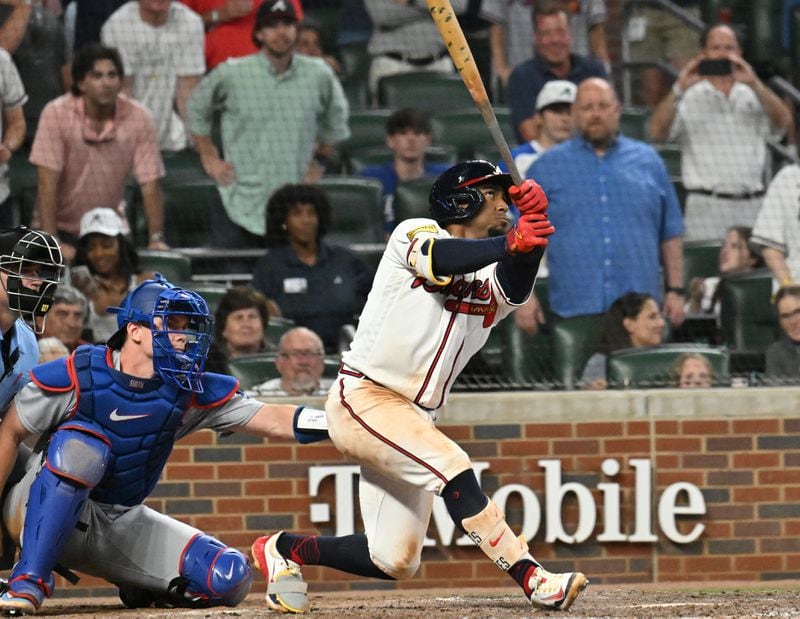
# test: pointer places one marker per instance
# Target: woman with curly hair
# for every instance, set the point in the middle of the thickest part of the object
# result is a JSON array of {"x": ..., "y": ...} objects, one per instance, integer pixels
[{"x": 319, "y": 286}]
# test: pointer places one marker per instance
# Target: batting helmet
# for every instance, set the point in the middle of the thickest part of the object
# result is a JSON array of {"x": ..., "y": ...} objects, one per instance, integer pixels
[
  {"x": 454, "y": 195},
  {"x": 157, "y": 298},
  {"x": 30, "y": 257}
]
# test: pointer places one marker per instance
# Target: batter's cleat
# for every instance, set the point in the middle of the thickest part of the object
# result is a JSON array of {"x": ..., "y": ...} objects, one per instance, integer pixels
[
  {"x": 23, "y": 596},
  {"x": 286, "y": 591},
  {"x": 555, "y": 591}
]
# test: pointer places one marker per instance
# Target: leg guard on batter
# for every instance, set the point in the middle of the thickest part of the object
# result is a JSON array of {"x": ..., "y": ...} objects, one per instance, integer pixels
[
  {"x": 214, "y": 574},
  {"x": 489, "y": 530},
  {"x": 77, "y": 459}
]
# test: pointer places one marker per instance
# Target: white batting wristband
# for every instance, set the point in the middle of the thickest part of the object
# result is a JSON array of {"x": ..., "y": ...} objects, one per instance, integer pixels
[
  {"x": 311, "y": 420},
  {"x": 423, "y": 263}
]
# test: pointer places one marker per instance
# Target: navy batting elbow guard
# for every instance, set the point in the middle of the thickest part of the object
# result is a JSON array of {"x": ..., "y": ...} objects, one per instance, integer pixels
[{"x": 310, "y": 425}]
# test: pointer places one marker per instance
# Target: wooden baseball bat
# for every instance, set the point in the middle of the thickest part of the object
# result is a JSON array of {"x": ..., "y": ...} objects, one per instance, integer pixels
[{"x": 447, "y": 23}]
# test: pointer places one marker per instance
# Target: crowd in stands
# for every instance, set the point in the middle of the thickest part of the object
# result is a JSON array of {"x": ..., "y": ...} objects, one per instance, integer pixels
[{"x": 264, "y": 98}]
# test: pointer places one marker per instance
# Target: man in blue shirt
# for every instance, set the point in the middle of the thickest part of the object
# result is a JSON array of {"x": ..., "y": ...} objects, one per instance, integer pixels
[
  {"x": 616, "y": 212},
  {"x": 408, "y": 135},
  {"x": 554, "y": 60}
]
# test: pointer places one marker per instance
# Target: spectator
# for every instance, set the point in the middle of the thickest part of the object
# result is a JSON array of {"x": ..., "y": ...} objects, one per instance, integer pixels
[
  {"x": 39, "y": 52},
  {"x": 161, "y": 45},
  {"x": 319, "y": 286},
  {"x": 106, "y": 268},
  {"x": 783, "y": 356},
  {"x": 311, "y": 42},
  {"x": 274, "y": 106},
  {"x": 229, "y": 25},
  {"x": 722, "y": 123},
  {"x": 735, "y": 256},
  {"x": 51, "y": 348},
  {"x": 240, "y": 327},
  {"x": 300, "y": 363},
  {"x": 66, "y": 318},
  {"x": 405, "y": 39},
  {"x": 87, "y": 143},
  {"x": 553, "y": 60},
  {"x": 616, "y": 212},
  {"x": 12, "y": 127},
  {"x": 776, "y": 234},
  {"x": 554, "y": 118},
  {"x": 511, "y": 35},
  {"x": 657, "y": 35},
  {"x": 693, "y": 371},
  {"x": 632, "y": 321},
  {"x": 89, "y": 16},
  {"x": 408, "y": 135}
]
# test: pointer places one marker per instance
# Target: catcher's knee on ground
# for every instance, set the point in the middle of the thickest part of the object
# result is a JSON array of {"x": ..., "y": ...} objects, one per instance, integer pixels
[
  {"x": 483, "y": 522},
  {"x": 215, "y": 574}
]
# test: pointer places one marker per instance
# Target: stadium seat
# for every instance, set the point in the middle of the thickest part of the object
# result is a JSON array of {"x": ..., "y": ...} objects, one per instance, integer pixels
[
  {"x": 651, "y": 367},
  {"x": 277, "y": 326},
  {"x": 466, "y": 131},
  {"x": 172, "y": 265},
  {"x": 424, "y": 90},
  {"x": 182, "y": 166},
  {"x": 252, "y": 370},
  {"x": 367, "y": 130},
  {"x": 700, "y": 259},
  {"x": 355, "y": 68},
  {"x": 212, "y": 293},
  {"x": 633, "y": 122},
  {"x": 671, "y": 154},
  {"x": 747, "y": 318},
  {"x": 763, "y": 45},
  {"x": 357, "y": 209},
  {"x": 357, "y": 160},
  {"x": 411, "y": 199},
  {"x": 527, "y": 359},
  {"x": 574, "y": 341}
]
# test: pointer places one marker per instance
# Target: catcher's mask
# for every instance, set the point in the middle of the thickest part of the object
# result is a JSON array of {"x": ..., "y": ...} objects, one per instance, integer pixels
[
  {"x": 32, "y": 262},
  {"x": 169, "y": 310},
  {"x": 454, "y": 196}
]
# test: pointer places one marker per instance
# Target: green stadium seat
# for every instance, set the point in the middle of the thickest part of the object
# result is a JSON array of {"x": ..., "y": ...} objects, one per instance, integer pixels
[
  {"x": 467, "y": 132},
  {"x": 182, "y": 166},
  {"x": 424, "y": 90},
  {"x": 700, "y": 259},
  {"x": 212, "y": 293},
  {"x": 633, "y": 122},
  {"x": 357, "y": 160},
  {"x": 277, "y": 326},
  {"x": 671, "y": 154},
  {"x": 747, "y": 317},
  {"x": 172, "y": 265},
  {"x": 411, "y": 199},
  {"x": 527, "y": 359},
  {"x": 367, "y": 130},
  {"x": 357, "y": 209},
  {"x": 355, "y": 68},
  {"x": 651, "y": 367},
  {"x": 574, "y": 341}
]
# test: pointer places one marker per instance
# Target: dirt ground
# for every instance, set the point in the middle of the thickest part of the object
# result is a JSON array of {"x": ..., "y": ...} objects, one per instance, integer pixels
[{"x": 713, "y": 600}]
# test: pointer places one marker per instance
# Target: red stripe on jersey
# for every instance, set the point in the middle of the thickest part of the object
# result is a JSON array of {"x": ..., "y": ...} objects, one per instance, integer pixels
[
  {"x": 411, "y": 248},
  {"x": 384, "y": 439},
  {"x": 435, "y": 359},
  {"x": 450, "y": 376}
]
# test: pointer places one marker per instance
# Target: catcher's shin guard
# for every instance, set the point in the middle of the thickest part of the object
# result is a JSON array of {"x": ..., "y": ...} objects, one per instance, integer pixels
[
  {"x": 77, "y": 458},
  {"x": 489, "y": 530},
  {"x": 215, "y": 574}
]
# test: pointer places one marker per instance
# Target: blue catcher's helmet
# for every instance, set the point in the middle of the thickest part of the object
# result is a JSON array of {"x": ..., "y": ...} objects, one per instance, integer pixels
[
  {"x": 454, "y": 196},
  {"x": 169, "y": 310}
]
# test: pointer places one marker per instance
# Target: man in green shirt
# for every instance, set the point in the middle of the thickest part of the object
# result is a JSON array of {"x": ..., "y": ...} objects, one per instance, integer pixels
[{"x": 278, "y": 110}]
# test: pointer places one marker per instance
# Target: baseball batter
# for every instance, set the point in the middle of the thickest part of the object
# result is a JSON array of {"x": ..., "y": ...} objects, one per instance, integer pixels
[
  {"x": 109, "y": 417},
  {"x": 441, "y": 285}
]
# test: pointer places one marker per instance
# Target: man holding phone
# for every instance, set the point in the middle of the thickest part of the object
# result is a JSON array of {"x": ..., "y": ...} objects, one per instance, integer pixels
[{"x": 721, "y": 114}]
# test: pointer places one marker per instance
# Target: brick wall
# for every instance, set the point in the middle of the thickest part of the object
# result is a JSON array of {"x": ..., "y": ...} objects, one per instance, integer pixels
[{"x": 740, "y": 448}]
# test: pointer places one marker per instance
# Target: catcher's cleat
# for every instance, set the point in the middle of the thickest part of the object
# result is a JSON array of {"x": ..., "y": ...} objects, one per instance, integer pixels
[
  {"x": 286, "y": 591},
  {"x": 552, "y": 591},
  {"x": 23, "y": 596}
]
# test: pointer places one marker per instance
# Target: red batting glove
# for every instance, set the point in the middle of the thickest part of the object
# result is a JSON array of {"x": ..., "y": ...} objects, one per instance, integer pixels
[
  {"x": 531, "y": 231},
  {"x": 528, "y": 197}
]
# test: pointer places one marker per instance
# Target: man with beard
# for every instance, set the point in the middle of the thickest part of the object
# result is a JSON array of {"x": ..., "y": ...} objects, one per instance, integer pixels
[
  {"x": 300, "y": 363},
  {"x": 616, "y": 212},
  {"x": 280, "y": 115}
]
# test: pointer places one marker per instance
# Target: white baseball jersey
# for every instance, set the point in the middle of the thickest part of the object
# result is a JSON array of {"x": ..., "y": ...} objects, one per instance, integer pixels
[
  {"x": 415, "y": 333},
  {"x": 778, "y": 222}
]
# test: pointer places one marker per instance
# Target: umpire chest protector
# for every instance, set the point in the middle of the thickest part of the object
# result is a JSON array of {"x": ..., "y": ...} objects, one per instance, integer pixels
[{"x": 140, "y": 417}]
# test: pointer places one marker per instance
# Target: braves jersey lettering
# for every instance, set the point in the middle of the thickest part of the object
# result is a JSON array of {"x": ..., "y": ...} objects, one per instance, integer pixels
[{"x": 461, "y": 289}]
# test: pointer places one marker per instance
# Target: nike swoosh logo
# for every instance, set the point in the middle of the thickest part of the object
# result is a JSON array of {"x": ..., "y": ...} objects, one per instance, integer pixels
[
  {"x": 495, "y": 541},
  {"x": 115, "y": 416}
]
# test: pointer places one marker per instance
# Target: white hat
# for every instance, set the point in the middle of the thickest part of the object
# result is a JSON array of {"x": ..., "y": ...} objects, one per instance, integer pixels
[
  {"x": 101, "y": 221},
  {"x": 556, "y": 91}
]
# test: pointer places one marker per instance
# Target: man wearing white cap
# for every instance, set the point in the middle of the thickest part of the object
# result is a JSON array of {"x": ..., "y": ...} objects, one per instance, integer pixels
[{"x": 554, "y": 114}]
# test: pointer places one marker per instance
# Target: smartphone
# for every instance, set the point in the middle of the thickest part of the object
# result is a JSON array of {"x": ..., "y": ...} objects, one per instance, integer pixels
[{"x": 717, "y": 66}]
